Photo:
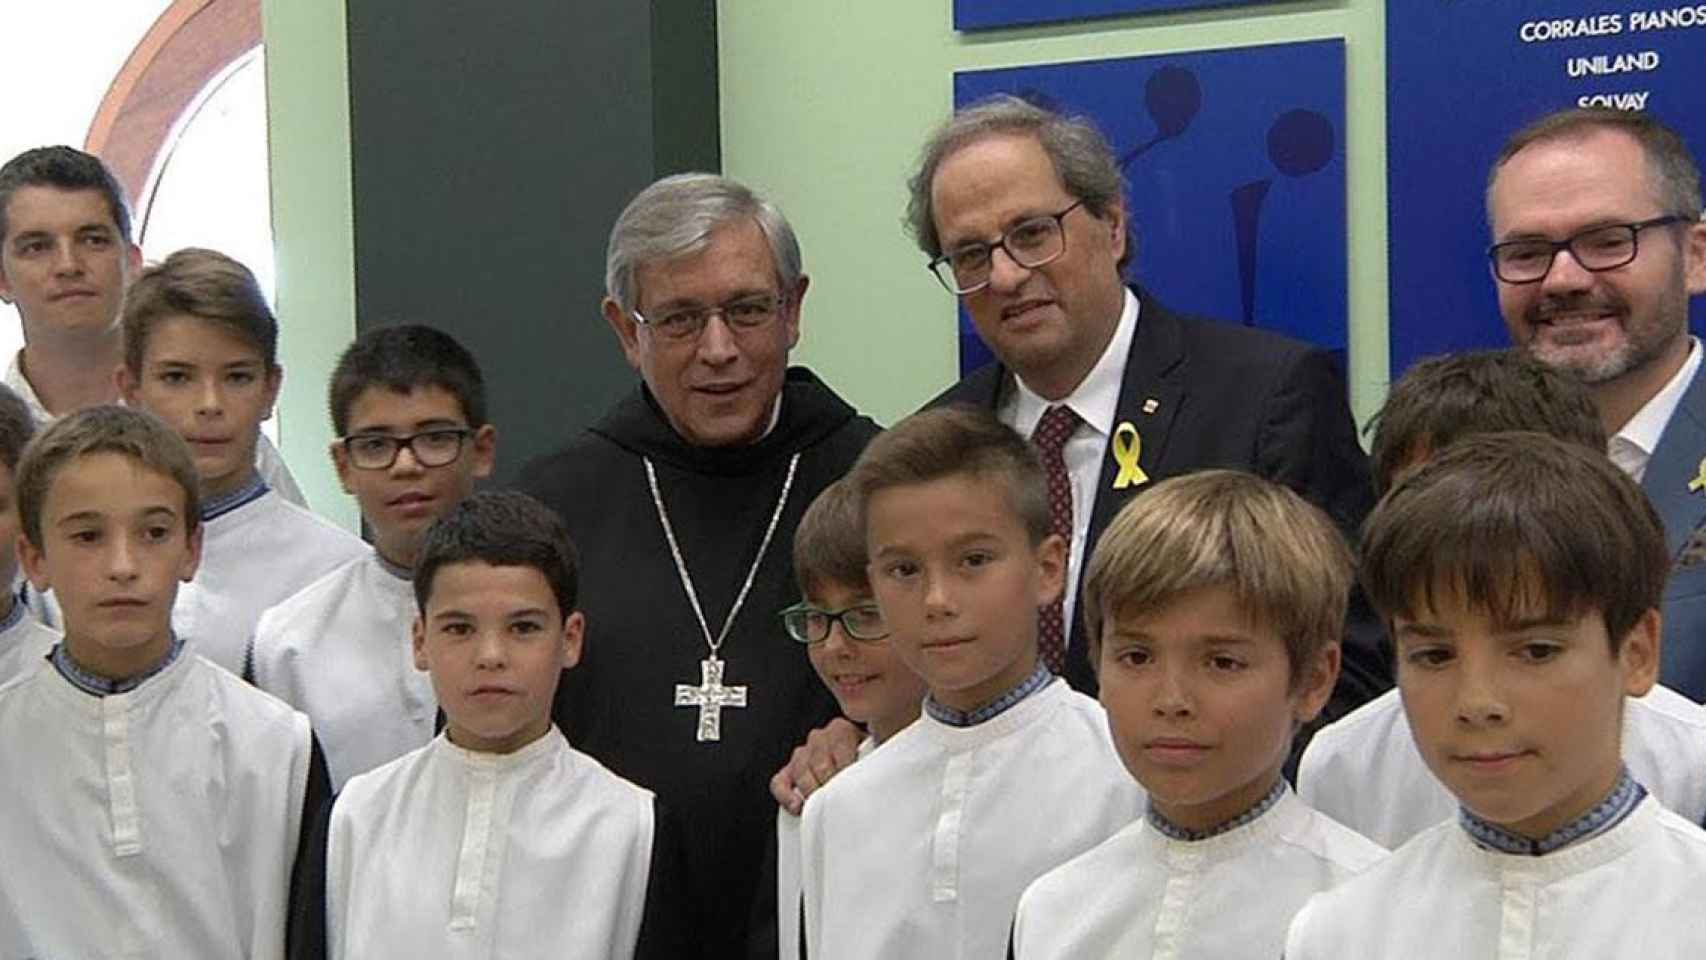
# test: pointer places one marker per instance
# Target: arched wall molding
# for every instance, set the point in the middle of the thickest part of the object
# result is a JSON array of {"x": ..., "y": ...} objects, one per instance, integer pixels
[{"x": 166, "y": 77}]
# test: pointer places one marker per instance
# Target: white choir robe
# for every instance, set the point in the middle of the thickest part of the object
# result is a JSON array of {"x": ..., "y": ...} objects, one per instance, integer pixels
[
  {"x": 341, "y": 652},
  {"x": 1366, "y": 772},
  {"x": 923, "y": 848},
  {"x": 161, "y": 822},
  {"x": 788, "y": 873},
  {"x": 23, "y": 645},
  {"x": 449, "y": 853},
  {"x": 252, "y": 558},
  {"x": 1143, "y": 894},
  {"x": 1631, "y": 893}
]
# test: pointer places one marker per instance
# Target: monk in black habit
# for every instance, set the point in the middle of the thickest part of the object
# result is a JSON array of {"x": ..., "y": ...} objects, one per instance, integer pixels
[{"x": 683, "y": 501}]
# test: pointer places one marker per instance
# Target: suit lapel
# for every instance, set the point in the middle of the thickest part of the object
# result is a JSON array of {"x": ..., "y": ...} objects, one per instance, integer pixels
[
  {"x": 1675, "y": 463},
  {"x": 1151, "y": 392}
]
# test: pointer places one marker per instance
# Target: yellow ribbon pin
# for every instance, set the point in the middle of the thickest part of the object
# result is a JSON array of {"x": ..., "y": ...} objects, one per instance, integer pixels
[
  {"x": 1128, "y": 446},
  {"x": 1699, "y": 482}
]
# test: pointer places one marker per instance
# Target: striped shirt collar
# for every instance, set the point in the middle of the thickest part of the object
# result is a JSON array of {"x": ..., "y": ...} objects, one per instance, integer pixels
[
  {"x": 1173, "y": 831},
  {"x": 215, "y": 507},
  {"x": 948, "y": 716},
  {"x": 99, "y": 686},
  {"x": 1613, "y": 810}
]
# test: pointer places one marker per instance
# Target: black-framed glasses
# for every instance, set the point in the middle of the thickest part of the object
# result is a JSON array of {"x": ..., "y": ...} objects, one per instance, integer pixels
[
  {"x": 430, "y": 448},
  {"x": 809, "y": 624},
  {"x": 1597, "y": 249},
  {"x": 686, "y": 323},
  {"x": 1030, "y": 243}
]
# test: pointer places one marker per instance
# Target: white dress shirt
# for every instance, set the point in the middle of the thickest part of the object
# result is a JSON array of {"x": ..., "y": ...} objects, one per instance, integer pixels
[
  {"x": 1631, "y": 893},
  {"x": 1633, "y": 445},
  {"x": 1096, "y": 400},
  {"x": 1228, "y": 897},
  {"x": 923, "y": 848}
]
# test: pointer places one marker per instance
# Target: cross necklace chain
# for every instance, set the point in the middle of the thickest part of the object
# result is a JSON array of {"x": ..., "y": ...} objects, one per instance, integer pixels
[{"x": 711, "y": 695}]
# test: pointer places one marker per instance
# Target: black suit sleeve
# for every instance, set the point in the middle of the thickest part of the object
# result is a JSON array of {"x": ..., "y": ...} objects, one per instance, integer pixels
[
  {"x": 670, "y": 921},
  {"x": 1308, "y": 442},
  {"x": 305, "y": 928}
]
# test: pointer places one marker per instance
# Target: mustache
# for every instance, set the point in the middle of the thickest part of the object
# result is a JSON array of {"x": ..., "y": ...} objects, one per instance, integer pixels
[{"x": 1576, "y": 302}]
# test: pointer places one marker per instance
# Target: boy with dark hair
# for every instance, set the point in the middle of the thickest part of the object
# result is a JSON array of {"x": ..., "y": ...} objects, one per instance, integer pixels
[
  {"x": 200, "y": 351},
  {"x": 408, "y": 405},
  {"x": 1521, "y": 578},
  {"x": 1215, "y": 603},
  {"x": 851, "y": 648},
  {"x": 1364, "y": 770},
  {"x": 23, "y": 639},
  {"x": 65, "y": 260},
  {"x": 498, "y": 839},
  {"x": 923, "y": 848},
  {"x": 1441, "y": 399},
  {"x": 154, "y": 801}
]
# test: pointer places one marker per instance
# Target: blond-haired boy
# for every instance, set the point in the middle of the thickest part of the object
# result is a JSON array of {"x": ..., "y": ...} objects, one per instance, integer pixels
[{"x": 1215, "y": 604}]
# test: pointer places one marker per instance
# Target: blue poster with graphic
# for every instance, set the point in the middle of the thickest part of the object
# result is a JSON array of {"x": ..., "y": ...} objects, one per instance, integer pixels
[
  {"x": 1461, "y": 78},
  {"x": 988, "y": 14},
  {"x": 1235, "y": 177}
]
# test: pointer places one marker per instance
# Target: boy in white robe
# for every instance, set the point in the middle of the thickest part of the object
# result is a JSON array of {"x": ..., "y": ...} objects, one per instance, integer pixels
[
  {"x": 922, "y": 848},
  {"x": 1365, "y": 770},
  {"x": 851, "y": 650},
  {"x": 498, "y": 839},
  {"x": 201, "y": 352},
  {"x": 154, "y": 801},
  {"x": 1521, "y": 577},
  {"x": 408, "y": 404},
  {"x": 24, "y": 641},
  {"x": 1214, "y": 603}
]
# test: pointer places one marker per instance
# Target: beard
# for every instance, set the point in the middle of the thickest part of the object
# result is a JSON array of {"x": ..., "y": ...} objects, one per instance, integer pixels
[{"x": 1639, "y": 340}]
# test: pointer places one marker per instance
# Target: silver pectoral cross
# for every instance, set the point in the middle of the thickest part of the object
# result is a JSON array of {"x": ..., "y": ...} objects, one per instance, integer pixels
[{"x": 710, "y": 696}]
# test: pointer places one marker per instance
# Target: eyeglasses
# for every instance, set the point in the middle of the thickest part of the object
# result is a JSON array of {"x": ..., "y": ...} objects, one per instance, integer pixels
[
  {"x": 809, "y": 624},
  {"x": 687, "y": 323},
  {"x": 1030, "y": 243},
  {"x": 430, "y": 448},
  {"x": 1597, "y": 249}
]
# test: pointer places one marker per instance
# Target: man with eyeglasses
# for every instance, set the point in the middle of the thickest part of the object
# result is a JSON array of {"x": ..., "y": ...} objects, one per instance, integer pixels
[
  {"x": 1597, "y": 247},
  {"x": 683, "y": 500},
  {"x": 1022, "y": 214}
]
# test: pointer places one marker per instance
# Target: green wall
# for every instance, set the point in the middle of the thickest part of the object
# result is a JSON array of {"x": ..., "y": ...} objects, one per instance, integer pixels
[
  {"x": 824, "y": 106},
  {"x": 308, "y": 132}
]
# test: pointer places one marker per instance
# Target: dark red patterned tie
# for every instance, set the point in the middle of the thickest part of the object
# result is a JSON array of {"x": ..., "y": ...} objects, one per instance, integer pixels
[{"x": 1050, "y": 438}]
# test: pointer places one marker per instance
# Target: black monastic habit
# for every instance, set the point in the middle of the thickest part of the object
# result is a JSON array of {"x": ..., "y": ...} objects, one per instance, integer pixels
[{"x": 642, "y": 638}]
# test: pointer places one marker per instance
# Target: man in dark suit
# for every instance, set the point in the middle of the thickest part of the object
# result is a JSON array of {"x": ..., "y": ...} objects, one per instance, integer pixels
[
  {"x": 1023, "y": 214},
  {"x": 1619, "y": 193}
]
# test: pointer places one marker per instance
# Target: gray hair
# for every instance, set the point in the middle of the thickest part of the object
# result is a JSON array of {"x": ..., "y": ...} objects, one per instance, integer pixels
[
  {"x": 1080, "y": 155},
  {"x": 675, "y": 217},
  {"x": 1675, "y": 175}
]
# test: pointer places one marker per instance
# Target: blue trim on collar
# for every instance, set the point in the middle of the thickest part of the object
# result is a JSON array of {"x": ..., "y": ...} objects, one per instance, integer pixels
[
  {"x": 1039, "y": 678},
  {"x": 394, "y": 569},
  {"x": 99, "y": 686},
  {"x": 1613, "y": 810},
  {"x": 248, "y": 493},
  {"x": 1173, "y": 831}
]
